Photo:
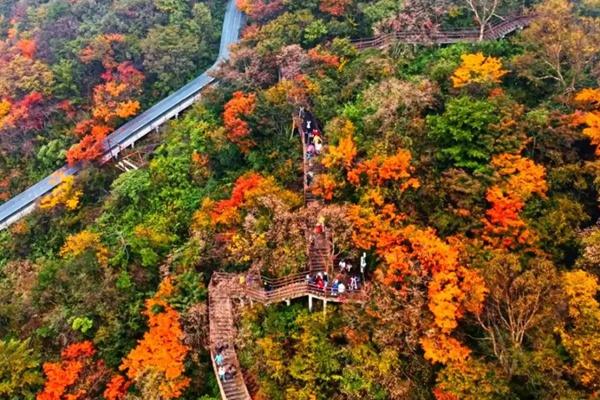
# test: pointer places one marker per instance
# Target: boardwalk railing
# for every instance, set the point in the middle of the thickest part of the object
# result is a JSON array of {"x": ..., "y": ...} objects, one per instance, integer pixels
[
  {"x": 132, "y": 131},
  {"x": 496, "y": 31},
  {"x": 225, "y": 287}
]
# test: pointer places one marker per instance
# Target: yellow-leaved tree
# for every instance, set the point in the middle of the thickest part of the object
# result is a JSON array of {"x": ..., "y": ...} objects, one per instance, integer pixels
[
  {"x": 582, "y": 338},
  {"x": 65, "y": 193},
  {"x": 478, "y": 69},
  {"x": 79, "y": 243}
]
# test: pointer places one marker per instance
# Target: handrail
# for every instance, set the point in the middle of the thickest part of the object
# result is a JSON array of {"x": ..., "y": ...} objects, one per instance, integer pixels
[
  {"x": 445, "y": 36},
  {"x": 133, "y": 130}
]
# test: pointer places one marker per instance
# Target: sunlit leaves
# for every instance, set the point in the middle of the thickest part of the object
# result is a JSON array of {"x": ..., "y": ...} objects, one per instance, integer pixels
[
  {"x": 64, "y": 194},
  {"x": 582, "y": 340},
  {"x": 343, "y": 154},
  {"x": 82, "y": 242},
  {"x": 478, "y": 69},
  {"x": 75, "y": 376},
  {"x": 161, "y": 351},
  {"x": 237, "y": 129},
  {"x": 519, "y": 179},
  {"x": 590, "y": 118}
]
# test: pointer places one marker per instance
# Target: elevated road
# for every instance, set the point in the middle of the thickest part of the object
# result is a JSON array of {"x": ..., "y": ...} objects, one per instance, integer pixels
[
  {"x": 135, "y": 129},
  {"x": 129, "y": 133}
]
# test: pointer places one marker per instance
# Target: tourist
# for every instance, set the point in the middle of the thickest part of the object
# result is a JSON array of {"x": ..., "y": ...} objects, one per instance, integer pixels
[
  {"x": 309, "y": 178},
  {"x": 363, "y": 264},
  {"x": 221, "y": 371},
  {"x": 318, "y": 142},
  {"x": 325, "y": 277},
  {"x": 219, "y": 359},
  {"x": 342, "y": 265},
  {"x": 341, "y": 288},
  {"x": 320, "y": 226},
  {"x": 231, "y": 371},
  {"x": 334, "y": 287},
  {"x": 348, "y": 267}
]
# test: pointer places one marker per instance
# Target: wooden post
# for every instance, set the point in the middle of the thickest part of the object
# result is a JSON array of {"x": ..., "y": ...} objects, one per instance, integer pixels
[
  {"x": 310, "y": 302},
  {"x": 287, "y": 302},
  {"x": 324, "y": 307}
]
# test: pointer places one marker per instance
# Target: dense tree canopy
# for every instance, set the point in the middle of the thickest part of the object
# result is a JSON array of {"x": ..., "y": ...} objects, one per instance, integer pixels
[{"x": 467, "y": 174}]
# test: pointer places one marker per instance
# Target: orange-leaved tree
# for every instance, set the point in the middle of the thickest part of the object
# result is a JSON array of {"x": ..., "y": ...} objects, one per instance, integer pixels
[
  {"x": 239, "y": 106},
  {"x": 591, "y": 116},
  {"x": 478, "y": 69},
  {"x": 75, "y": 376},
  {"x": 113, "y": 101},
  {"x": 117, "y": 387},
  {"x": 518, "y": 179},
  {"x": 156, "y": 364},
  {"x": 408, "y": 251},
  {"x": 334, "y": 7},
  {"x": 381, "y": 169}
]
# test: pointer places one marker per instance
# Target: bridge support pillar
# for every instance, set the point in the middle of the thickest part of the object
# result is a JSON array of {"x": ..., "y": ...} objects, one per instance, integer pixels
[
  {"x": 251, "y": 304},
  {"x": 324, "y": 307},
  {"x": 287, "y": 302},
  {"x": 310, "y": 301}
]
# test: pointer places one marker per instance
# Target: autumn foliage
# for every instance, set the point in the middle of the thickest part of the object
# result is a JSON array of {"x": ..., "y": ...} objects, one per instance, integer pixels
[
  {"x": 582, "y": 340},
  {"x": 161, "y": 351},
  {"x": 343, "y": 154},
  {"x": 82, "y": 242},
  {"x": 260, "y": 9},
  {"x": 117, "y": 387},
  {"x": 237, "y": 129},
  {"x": 75, "y": 376},
  {"x": 381, "y": 169},
  {"x": 64, "y": 194},
  {"x": 591, "y": 117},
  {"x": 408, "y": 250},
  {"x": 334, "y": 7},
  {"x": 478, "y": 69},
  {"x": 113, "y": 101},
  {"x": 519, "y": 178}
]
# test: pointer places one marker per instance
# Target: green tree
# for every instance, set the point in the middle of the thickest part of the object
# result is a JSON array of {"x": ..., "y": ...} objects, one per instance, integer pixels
[
  {"x": 171, "y": 54},
  {"x": 20, "y": 375},
  {"x": 463, "y": 133}
]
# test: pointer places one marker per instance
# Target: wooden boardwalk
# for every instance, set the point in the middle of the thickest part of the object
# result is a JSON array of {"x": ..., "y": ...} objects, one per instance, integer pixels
[
  {"x": 226, "y": 289},
  {"x": 494, "y": 32}
]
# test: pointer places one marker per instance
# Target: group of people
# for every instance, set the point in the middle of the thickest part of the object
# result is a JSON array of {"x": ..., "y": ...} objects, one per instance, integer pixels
[
  {"x": 338, "y": 286},
  {"x": 314, "y": 143},
  {"x": 225, "y": 372},
  {"x": 345, "y": 266}
]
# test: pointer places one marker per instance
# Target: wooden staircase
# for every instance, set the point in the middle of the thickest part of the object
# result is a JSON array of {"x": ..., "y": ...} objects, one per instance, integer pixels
[
  {"x": 222, "y": 332},
  {"x": 319, "y": 253},
  {"x": 225, "y": 288}
]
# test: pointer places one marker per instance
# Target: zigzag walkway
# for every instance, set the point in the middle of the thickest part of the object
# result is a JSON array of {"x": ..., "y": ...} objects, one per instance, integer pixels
[
  {"x": 225, "y": 288},
  {"x": 494, "y": 32}
]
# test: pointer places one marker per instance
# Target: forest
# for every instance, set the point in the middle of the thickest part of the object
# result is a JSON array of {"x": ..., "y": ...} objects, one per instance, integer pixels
[{"x": 464, "y": 177}]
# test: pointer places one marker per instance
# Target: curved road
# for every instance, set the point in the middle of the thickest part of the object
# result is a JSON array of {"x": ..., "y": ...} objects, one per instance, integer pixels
[{"x": 126, "y": 135}]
